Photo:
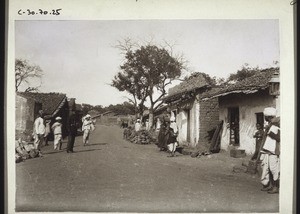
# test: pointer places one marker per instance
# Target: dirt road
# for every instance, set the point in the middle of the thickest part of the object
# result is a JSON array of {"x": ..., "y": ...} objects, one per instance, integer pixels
[{"x": 113, "y": 175}]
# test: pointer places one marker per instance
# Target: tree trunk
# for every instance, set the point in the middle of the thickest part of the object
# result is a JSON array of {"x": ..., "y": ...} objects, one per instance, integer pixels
[{"x": 151, "y": 117}]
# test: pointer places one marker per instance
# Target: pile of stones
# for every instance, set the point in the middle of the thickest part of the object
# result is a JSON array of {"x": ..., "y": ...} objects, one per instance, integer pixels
[{"x": 24, "y": 150}]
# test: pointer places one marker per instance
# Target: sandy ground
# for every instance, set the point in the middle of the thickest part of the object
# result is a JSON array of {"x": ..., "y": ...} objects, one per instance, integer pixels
[{"x": 113, "y": 175}]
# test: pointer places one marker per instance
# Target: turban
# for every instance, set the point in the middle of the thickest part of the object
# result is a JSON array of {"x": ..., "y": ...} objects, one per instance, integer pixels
[{"x": 270, "y": 111}]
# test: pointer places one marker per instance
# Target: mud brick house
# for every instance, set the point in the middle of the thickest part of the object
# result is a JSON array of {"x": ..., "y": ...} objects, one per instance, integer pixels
[
  {"x": 53, "y": 105},
  {"x": 195, "y": 118},
  {"x": 241, "y": 107}
]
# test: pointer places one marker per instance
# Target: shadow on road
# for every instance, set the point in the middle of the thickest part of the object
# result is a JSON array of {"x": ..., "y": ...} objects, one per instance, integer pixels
[
  {"x": 92, "y": 144},
  {"x": 53, "y": 152},
  {"x": 64, "y": 150},
  {"x": 88, "y": 150}
]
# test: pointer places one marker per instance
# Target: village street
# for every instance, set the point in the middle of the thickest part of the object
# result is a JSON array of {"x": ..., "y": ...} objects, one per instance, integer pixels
[{"x": 114, "y": 175}]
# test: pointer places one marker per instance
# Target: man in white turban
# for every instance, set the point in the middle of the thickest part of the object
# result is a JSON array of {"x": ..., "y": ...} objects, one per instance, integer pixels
[
  {"x": 87, "y": 127},
  {"x": 270, "y": 152}
]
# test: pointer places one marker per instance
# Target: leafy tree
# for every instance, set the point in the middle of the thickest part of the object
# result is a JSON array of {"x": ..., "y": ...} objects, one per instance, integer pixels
[
  {"x": 128, "y": 107},
  {"x": 210, "y": 80},
  {"x": 99, "y": 108},
  {"x": 86, "y": 108},
  {"x": 147, "y": 69},
  {"x": 24, "y": 72},
  {"x": 245, "y": 72}
]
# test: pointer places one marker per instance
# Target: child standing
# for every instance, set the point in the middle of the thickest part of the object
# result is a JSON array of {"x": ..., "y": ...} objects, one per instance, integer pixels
[
  {"x": 258, "y": 139},
  {"x": 47, "y": 132},
  {"x": 57, "y": 131}
]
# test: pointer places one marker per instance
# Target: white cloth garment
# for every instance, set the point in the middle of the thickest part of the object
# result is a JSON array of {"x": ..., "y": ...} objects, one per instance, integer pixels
[
  {"x": 172, "y": 147},
  {"x": 270, "y": 144},
  {"x": 39, "y": 127},
  {"x": 87, "y": 127},
  {"x": 137, "y": 127},
  {"x": 173, "y": 125},
  {"x": 270, "y": 164},
  {"x": 57, "y": 140}
]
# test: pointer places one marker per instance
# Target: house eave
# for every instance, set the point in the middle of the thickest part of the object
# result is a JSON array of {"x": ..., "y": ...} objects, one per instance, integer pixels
[
  {"x": 231, "y": 92},
  {"x": 59, "y": 106}
]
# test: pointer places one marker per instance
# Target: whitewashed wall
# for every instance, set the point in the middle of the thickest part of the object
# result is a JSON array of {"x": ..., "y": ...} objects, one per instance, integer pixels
[
  {"x": 182, "y": 124},
  {"x": 248, "y": 106},
  {"x": 194, "y": 124}
]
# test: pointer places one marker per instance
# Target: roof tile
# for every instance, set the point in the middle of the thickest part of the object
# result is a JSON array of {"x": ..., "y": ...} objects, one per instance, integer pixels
[
  {"x": 255, "y": 82},
  {"x": 188, "y": 85}
]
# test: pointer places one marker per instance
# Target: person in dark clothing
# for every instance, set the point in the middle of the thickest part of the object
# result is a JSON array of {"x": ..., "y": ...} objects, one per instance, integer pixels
[
  {"x": 72, "y": 128},
  {"x": 160, "y": 137},
  {"x": 162, "y": 141},
  {"x": 164, "y": 134},
  {"x": 170, "y": 139},
  {"x": 258, "y": 138}
]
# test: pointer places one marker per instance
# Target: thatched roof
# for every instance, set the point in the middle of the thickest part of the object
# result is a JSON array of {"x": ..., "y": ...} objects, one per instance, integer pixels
[{"x": 252, "y": 84}]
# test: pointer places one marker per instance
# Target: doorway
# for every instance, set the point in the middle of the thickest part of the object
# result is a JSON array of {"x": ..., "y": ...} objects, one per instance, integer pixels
[
  {"x": 188, "y": 135},
  {"x": 234, "y": 126}
]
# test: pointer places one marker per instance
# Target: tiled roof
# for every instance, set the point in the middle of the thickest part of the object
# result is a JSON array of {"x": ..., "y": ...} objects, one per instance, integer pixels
[
  {"x": 253, "y": 83},
  {"x": 50, "y": 101},
  {"x": 188, "y": 85}
]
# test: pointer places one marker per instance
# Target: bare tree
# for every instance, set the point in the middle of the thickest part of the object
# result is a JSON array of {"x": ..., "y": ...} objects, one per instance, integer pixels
[{"x": 24, "y": 72}]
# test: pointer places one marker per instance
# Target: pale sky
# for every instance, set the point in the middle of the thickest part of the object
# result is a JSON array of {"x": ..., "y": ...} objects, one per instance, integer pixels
[{"x": 78, "y": 57}]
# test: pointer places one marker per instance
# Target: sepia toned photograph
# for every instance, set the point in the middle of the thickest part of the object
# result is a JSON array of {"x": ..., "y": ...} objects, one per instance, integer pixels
[{"x": 147, "y": 115}]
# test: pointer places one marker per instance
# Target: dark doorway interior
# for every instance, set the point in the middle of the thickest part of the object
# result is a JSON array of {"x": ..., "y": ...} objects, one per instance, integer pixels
[
  {"x": 260, "y": 119},
  {"x": 234, "y": 121},
  {"x": 188, "y": 126}
]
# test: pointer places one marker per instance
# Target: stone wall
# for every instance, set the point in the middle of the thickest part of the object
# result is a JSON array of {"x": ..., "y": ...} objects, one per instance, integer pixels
[{"x": 209, "y": 119}]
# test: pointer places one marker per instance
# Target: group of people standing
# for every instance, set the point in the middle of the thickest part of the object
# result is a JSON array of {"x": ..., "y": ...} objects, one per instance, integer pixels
[
  {"x": 42, "y": 129},
  {"x": 141, "y": 125}
]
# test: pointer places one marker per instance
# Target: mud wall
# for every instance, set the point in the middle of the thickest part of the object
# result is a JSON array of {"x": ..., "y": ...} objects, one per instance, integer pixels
[
  {"x": 209, "y": 119},
  {"x": 26, "y": 111}
]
